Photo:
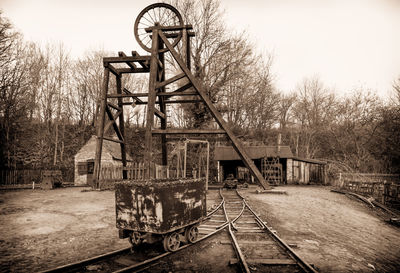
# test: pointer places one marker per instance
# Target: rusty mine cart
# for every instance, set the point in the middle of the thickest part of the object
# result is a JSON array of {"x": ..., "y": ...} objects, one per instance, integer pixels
[{"x": 154, "y": 210}]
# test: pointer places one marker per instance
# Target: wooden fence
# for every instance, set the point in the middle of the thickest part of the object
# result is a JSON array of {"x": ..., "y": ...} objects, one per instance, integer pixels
[
  {"x": 384, "y": 188},
  {"x": 19, "y": 177},
  {"x": 109, "y": 174}
]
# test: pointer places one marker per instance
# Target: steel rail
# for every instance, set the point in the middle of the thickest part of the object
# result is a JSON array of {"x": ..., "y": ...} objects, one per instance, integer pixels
[
  {"x": 72, "y": 266},
  {"x": 80, "y": 264},
  {"x": 303, "y": 264},
  {"x": 148, "y": 263},
  {"x": 236, "y": 246}
]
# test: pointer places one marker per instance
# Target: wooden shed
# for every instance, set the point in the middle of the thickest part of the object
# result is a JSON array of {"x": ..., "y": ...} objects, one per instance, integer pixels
[
  {"x": 276, "y": 163},
  {"x": 84, "y": 160},
  {"x": 305, "y": 171}
]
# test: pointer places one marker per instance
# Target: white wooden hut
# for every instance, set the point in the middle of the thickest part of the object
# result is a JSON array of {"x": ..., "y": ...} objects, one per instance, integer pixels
[{"x": 84, "y": 160}]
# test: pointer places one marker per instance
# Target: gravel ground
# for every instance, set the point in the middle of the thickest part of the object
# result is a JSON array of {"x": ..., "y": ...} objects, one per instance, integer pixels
[
  {"x": 332, "y": 231},
  {"x": 43, "y": 229}
]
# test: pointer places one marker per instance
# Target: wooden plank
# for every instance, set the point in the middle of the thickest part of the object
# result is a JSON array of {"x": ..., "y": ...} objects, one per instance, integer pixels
[
  {"x": 187, "y": 131},
  {"x": 218, "y": 117}
]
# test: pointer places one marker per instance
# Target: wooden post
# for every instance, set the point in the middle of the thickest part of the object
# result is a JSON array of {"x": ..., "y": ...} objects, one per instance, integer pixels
[
  {"x": 148, "y": 156},
  {"x": 184, "y": 161},
  {"x": 163, "y": 109},
  {"x": 100, "y": 129},
  {"x": 122, "y": 128},
  {"x": 208, "y": 164}
]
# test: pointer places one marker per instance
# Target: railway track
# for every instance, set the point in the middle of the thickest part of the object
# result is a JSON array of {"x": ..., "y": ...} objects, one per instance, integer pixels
[{"x": 257, "y": 247}]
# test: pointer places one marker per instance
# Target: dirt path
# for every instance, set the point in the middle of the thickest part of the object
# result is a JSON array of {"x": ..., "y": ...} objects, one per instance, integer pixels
[
  {"x": 43, "y": 229},
  {"x": 335, "y": 233}
]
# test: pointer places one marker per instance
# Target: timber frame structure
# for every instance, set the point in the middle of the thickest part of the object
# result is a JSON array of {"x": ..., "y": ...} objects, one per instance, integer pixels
[{"x": 163, "y": 38}]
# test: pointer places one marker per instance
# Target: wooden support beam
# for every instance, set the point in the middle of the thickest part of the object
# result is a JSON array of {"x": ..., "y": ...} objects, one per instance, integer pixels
[
  {"x": 110, "y": 122},
  {"x": 167, "y": 94},
  {"x": 112, "y": 105},
  {"x": 130, "y": 64},
  {"x": 100, "y": 128},
  {"x": 113, "y": 139},
  {"x": 130, "y": 70},
  {"x": 183, "y": 101},
  {"x": 144, "y": 64},
  {"x": 139, "y": 59},
  {"x": 113, "y": 70},
  {"x": 183, "y": 88},
  {"x": 121, "y": 128},
  {"x": 159, "y": 114},
  {"x": 114, "y": 124},
  {"x": 166, "y": 102},
  {"x": 216, "y": 114},
  {"x": 187, "y": 131},
  {"x": 185, "y": 93},
  {"x": 148, "y": 153},
  {"x": 168, "y": 28},
  {"x": 171, "y": 80}
]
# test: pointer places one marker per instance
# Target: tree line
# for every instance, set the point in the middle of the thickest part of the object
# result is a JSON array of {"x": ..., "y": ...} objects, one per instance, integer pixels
[{"x": 49, "y": 101}]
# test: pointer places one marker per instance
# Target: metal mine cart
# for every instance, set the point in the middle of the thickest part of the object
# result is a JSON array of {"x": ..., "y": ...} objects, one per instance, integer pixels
[{"x": 154, "y": 210}]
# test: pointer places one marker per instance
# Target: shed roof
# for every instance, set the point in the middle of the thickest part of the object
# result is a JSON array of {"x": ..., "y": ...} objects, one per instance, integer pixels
[
  {"x": 255, "y": 152},
  {"x": 310, "y": 160},
  {"x": 113, "y": 148}
]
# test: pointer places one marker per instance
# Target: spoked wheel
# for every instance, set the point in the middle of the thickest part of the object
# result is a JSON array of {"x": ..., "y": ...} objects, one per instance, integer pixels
[
  {"x": 172, "y": 242},
  {"x": 163, "y": 14},
  {"x": 135, "y": 239},
  {"x": 191, "y": 234}
]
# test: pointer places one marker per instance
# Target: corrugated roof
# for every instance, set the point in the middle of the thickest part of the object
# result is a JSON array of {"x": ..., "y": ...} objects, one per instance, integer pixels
[{"x": 255, "y": 152}]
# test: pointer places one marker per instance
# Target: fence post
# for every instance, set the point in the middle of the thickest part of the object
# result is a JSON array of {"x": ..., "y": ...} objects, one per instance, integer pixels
[{"x": 386, "y": 192}]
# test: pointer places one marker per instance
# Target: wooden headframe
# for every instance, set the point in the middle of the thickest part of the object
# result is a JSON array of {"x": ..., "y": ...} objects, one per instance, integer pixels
[{"x": 157, "y": 95}]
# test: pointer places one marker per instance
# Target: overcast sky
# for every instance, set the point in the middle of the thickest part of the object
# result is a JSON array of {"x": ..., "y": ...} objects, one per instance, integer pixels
[{"x": 346, "y": 43}]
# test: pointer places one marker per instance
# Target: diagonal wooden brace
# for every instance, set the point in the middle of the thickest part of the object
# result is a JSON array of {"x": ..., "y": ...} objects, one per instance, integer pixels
[{"x": 218, "y": 117}]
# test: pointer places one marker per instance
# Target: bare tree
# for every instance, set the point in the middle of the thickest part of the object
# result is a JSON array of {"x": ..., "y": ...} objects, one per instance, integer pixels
[
  {"x": 313, "y": 111},
  {"x": 285, "y": 106},
  {"x": 396, "y": 90}
]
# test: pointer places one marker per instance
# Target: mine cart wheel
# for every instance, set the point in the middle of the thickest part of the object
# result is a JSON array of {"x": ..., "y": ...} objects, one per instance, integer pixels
[
  {"x": 159, "y": 13},
  {"x": 172, "y": 242},
  {"x": 191, "y": 234},
  {"x": 135, "y": 239}
]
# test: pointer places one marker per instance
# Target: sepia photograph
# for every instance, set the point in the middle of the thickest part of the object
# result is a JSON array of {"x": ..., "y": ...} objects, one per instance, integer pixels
[{"x": 200, "y": 136}]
